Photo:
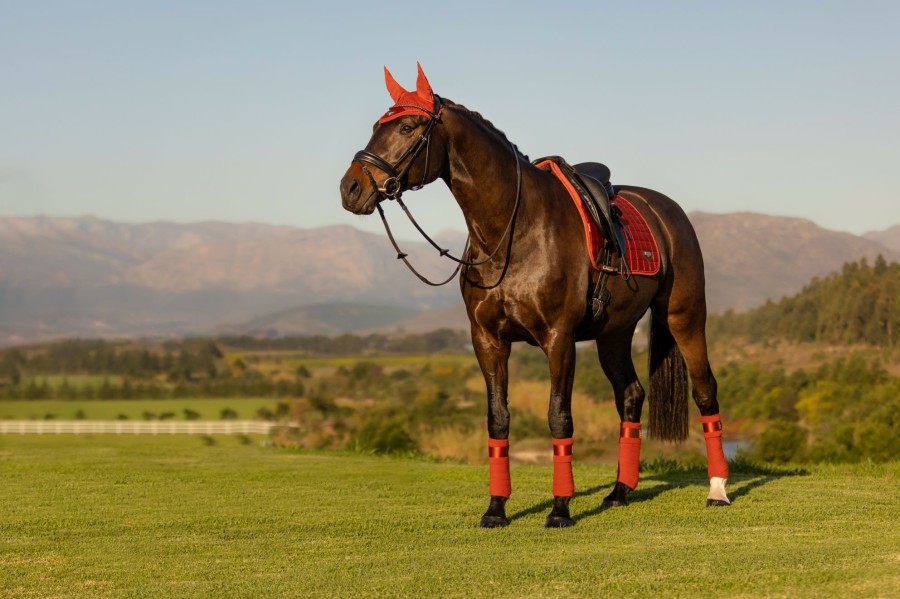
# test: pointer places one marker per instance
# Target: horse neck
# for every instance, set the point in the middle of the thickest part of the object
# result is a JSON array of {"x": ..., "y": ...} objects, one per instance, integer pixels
[{"x": 481, "y": 176}]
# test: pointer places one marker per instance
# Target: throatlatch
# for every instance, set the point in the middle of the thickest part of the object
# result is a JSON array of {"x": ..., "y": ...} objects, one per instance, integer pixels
[
  {"x": 498, "y": 458},
  {"x": 563, "y": 482},
  {"x": 629, "y": 453}
]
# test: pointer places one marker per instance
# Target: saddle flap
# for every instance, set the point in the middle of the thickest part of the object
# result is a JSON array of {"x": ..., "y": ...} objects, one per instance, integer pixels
[
  {"x": 599, "y": 195},
  {"x": 591, "y": 181}
]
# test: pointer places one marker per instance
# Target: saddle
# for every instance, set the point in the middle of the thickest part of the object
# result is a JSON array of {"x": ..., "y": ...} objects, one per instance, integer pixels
[{"x": 591, "y": 181}]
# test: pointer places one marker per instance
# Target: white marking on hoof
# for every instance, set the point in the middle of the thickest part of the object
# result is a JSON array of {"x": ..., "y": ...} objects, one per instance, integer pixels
[{"x": 717, "y": 489}]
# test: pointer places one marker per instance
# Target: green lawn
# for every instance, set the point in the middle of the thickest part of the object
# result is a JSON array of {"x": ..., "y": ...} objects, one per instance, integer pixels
[
  {"x": 109, "y": 516},
  {"x": 60, "y": 409}
]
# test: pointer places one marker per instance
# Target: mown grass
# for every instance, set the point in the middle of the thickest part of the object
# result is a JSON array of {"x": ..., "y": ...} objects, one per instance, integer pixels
[
  {"x": 109, "y": 516},
  {"x": 134, "y": 409}
]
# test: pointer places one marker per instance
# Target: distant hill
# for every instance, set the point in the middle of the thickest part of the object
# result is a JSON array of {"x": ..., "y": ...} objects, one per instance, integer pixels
[
  {"x": 325, "y": 319},
  {"x": 889, "y": 237},
  {"x": 751, "y": 257},
  {"x": 451, "y": 317},
  {"x": 90, "y": 277}
]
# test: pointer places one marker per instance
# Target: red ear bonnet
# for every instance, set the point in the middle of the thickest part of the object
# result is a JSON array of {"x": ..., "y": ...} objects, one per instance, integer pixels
[{"x": 406, "y": 102}]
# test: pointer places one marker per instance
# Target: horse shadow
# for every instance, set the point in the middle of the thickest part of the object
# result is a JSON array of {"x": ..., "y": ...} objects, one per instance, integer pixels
[
  {"x": 745, "y": 478},
  {"x": 545, "y": 506}
]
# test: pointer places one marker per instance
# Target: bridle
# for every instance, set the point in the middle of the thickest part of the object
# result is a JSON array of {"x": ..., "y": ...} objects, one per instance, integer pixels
[
  {"x": 396, "y": 183},
  {"x": 393, "y": 186}
]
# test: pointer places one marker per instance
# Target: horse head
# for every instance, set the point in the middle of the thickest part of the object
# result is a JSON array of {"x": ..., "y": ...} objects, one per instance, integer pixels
[{"x": 400, "y": 154}]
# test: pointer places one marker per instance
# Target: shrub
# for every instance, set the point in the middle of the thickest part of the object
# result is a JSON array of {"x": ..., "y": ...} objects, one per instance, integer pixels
[
  {"x": 388, "y": 436},
  {"x": 781, "y": 442}
]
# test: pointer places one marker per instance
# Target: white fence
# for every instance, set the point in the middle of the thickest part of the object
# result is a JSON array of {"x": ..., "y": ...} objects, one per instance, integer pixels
[{"x": 136, "y": 427}]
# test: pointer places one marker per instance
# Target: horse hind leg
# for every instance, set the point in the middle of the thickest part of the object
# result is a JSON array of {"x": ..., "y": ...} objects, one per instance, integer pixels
[
  {"x": 615, "y": 359},
  {"x": 689, "y": 332}
]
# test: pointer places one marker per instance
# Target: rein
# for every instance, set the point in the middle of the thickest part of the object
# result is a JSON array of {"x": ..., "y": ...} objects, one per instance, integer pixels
[{"x": 393, "y": 188}]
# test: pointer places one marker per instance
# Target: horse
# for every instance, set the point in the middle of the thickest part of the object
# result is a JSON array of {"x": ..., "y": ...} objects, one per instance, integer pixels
[{"x": 527, "y": 277}]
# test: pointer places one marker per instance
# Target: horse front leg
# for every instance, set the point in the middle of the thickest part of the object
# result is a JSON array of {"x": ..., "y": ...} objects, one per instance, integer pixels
[
  {"x": 561, "y": 357},
  {"x": 493, "y": 358}
]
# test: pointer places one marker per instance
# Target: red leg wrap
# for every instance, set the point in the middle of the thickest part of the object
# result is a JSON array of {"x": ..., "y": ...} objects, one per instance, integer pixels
[
  {"x": 563, "y": 482},
  {"x": 629, "y": 453},
  {"x": 715, "y": 457},
  {"x": 498, "y": 458}
]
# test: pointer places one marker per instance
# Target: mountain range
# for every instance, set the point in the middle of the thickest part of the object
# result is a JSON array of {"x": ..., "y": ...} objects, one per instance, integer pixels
[{"x": 91, "y": 277}]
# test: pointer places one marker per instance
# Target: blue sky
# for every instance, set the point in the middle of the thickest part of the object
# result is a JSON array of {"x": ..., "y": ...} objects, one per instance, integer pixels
[{"x": 178, "y": 111}]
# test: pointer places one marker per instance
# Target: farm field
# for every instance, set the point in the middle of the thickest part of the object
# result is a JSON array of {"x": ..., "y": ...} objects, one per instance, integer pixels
[
  {"x": 61, "y": 409},
  {"x": 107, "y": 516},
  {"x": 401, "y": 361}
]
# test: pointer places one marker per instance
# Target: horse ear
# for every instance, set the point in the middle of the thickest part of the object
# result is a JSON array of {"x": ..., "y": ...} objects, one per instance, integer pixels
[
  {"x": 423, "y": 88},
  {"x": 394, "y": 88}
]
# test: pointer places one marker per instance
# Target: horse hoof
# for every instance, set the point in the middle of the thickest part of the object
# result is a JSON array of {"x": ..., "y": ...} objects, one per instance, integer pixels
[
  {"x": 558, "y": 522},
  {"x": 717, "y": 503},
  {"x": 617, "y": 497},
  {"x": 493, "y": 522}
]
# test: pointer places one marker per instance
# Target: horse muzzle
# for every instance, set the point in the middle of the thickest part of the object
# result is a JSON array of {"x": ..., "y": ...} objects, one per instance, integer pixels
[{"x": 354, "y": 197}]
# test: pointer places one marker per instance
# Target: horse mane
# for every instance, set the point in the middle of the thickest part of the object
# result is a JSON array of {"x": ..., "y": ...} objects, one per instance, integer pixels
[{"x": 478, "y": 118}]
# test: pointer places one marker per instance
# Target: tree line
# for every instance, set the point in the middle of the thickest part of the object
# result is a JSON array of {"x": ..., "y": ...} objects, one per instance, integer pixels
[
  {"x": 36, "y": 388},
  {"x": 184, "y": 359},
  {"x": 200, "y": 359},
  {"x": 855, "y": 305},
  {"x": 440, "y": 340}
]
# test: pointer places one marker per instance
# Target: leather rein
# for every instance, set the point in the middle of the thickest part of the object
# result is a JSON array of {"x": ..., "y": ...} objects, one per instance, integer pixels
[{"x": 396, "y": 183}]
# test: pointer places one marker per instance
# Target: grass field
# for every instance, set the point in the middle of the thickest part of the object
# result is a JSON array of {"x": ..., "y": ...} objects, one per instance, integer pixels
[
  {"x": 208, "y": 409},
  {"x": 109, "y": 516}
]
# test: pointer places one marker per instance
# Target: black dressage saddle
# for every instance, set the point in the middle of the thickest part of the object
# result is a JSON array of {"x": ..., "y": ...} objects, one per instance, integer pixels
[{"x": 591, "y": 181}]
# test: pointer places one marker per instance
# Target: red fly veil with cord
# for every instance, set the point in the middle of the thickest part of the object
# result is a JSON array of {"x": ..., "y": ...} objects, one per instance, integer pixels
[{"x": 408, "y": 102}]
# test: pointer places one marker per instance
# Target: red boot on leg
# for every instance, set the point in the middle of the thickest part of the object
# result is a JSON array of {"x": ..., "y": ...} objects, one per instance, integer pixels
[
  {"x": 717, "y": 467},
  {"x": 500, "y": 487},
  {"x": 563, "y": 485},
  {"x": 629, "y": 465}
]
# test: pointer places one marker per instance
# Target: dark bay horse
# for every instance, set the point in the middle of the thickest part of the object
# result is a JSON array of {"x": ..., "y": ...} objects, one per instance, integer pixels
[{"x": 529, "y": 278}]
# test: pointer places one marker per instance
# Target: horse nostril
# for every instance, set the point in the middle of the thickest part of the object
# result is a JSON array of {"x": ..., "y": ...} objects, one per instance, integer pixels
[{"x": 350, "y": 189}]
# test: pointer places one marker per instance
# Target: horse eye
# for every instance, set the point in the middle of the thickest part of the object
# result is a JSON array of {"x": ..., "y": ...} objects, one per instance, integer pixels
[{"x": 406, "y": 129}]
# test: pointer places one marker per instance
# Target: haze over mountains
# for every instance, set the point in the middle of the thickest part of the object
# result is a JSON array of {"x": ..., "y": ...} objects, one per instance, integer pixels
[
  {"x": 86, "y": 276},
  {"x": 889, "y": 237}
]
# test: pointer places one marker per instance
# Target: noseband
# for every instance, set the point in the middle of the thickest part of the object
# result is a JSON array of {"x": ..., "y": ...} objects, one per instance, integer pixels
[{"x": 394, "y": 186}]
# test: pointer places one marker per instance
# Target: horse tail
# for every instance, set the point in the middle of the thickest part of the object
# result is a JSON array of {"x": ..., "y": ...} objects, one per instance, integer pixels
[{"x": 668, "y": 386}]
